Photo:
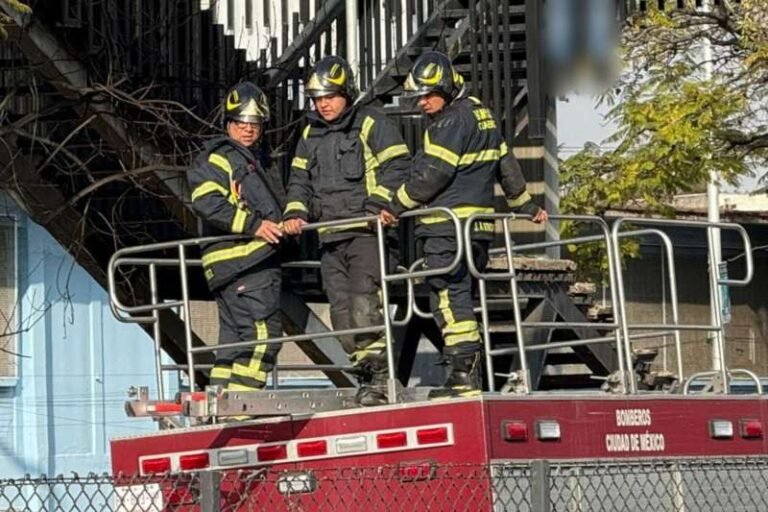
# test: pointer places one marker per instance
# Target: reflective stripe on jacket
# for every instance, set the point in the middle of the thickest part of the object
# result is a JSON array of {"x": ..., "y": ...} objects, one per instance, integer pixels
[
  {"x": 462, "y": 158},
  {"x": 230, "y": 194},
  {"x": 347, "y": 168}
]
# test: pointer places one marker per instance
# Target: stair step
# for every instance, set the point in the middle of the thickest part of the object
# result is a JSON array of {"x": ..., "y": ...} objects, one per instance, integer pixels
[
  {"x": 515, "y": 11},
  {"x": 514, "y": 46},
  {"x": 509, "y": 327},
  {"x": 518, "y": 71},
  {"x": 453, "y": 14},
  {"x": 514, "y": 29},
  {"x": 387, "y": 87},
  {"x": 515, "y": 64},
  {"x": 438, "y": 33},
  {"x": 554, "y": 359},
  {"x": 514, "y": 82},
  {"x": 563, "y": 358}
]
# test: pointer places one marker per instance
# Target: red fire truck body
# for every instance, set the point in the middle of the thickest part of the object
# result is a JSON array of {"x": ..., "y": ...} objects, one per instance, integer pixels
[
  {"x": 475, "y": 430},
  {"x": 412, "y": 439}
]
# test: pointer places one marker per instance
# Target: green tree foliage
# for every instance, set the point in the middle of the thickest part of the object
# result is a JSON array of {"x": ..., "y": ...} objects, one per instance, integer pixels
[
  {"x": 681, "y": 111},
  {"x": 15, "y": 5}
]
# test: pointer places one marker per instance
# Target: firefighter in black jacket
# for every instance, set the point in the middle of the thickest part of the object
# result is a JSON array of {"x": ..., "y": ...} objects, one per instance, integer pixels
[
  {"x": 232, "y": 193},
  {"x": 348, "y": 163},
  {"x": 463, "y": 157}
]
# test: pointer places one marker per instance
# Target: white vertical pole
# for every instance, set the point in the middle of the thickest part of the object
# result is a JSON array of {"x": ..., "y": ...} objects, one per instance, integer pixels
[
  {"x": 713, "y": 205},
  {"x": 353, "y": 56}
]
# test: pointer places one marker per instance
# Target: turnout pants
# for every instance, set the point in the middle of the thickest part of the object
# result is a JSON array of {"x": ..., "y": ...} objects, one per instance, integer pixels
[
  {"x": 450, "y": 296},
  {"x": 249, "y": 309},
  {"x": 352, "y": 281}
]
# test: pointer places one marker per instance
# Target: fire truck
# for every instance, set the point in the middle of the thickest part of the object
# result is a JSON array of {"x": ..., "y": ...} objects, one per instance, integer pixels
[{"x": 632, "y": 413}]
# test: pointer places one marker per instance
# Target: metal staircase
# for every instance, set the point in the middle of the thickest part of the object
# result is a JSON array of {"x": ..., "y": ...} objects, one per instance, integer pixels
[{"x": 157, "y": 50}]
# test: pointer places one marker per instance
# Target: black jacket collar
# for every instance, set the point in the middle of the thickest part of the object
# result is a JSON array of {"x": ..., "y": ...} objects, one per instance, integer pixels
[
  {"x": 256, "y": 152},
  {"x": 341, "y": 123}
]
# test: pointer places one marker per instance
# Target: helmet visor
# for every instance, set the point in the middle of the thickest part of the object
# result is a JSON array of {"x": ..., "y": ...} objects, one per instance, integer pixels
[
  {"x": 417, "y": 93},
  {"x": 244, "y": 118},
  {"x": 322, "y": 91}
]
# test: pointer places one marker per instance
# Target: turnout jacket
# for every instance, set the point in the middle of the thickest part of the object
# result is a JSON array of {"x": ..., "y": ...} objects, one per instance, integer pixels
[
  {"x": 463, "y": 156},
  {"x": 232, "y": 194},
  {"x": 347, "y": 168}
]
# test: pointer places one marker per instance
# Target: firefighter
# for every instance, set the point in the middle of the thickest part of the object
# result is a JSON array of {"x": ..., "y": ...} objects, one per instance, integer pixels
[
  {"x": 348, "y": 163},
  {"x": 233, "y": 193},
  {"x": 462, "y": 158}
]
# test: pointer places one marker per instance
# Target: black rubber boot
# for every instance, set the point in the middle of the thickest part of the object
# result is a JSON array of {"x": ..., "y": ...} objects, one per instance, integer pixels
[
  {"x": 373, "y": 382},
  {"x": 464, "y": 379}
]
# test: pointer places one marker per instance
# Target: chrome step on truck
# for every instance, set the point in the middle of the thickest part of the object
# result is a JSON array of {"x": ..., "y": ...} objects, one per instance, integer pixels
[{"x": 216, "y": 405}]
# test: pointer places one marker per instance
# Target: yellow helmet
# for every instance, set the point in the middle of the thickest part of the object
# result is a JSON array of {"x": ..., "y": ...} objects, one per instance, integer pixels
[
  {"x": 433, "y": 72},
  {"x": 246, "y": 102},
  {"x": 331, "y": 75}
]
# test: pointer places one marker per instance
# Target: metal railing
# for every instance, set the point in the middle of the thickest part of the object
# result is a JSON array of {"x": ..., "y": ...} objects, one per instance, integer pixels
[
  {"x": 622, "y": 335},
  {"x": 510, "y": 276},
  {"x": 715, "y": 282},
  {"x": 125, "y": 257},
  {"x": 623, "y": 332},
  {"x": 676, "y": 485}
]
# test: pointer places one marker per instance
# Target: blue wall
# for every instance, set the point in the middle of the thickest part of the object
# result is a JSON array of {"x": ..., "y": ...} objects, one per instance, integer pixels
[{"x": 76, "y": 364}]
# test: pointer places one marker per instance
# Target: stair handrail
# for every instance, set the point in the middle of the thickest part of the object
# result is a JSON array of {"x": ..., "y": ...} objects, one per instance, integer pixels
[
  {"x": 366, "y": 95},
  {"x": 510, "y": 275}
]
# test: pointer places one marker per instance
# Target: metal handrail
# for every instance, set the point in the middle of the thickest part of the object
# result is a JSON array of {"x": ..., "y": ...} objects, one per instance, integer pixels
[
  {"x": 115, "y": 261},
  {"x": 426, "y": 315},
  {"x": 380, "y": 235},
  {"x": 511, "y": 275},
  {"x": 120, "y": 258},
  {"x": 410, "y": 300},
  {"x": 623, "y": 317},
  {"x": 716, "y": 325},
  {"x": 752, "y": 376},
  {"x": 622, "y": 328}
]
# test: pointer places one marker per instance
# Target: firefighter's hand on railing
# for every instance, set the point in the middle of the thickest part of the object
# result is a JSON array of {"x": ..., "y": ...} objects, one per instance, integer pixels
[
  {"x": 293, "y": 226},
  {"x": 387, "y": 218},
  {"x": 269, "y": 231},
  {"x": 541, "y": 216}
]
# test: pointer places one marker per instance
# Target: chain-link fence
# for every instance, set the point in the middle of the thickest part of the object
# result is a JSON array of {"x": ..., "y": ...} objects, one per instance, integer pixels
[{"x": 724, "y": 484}]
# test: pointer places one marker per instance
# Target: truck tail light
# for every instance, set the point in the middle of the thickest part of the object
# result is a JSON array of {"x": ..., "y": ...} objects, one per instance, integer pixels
[
  {"x": 168, "y": 407},
  {"x": 312, "y": 448},
  {"x": 414, "y": 471},
  {"x": 351, "y": 444},
  {"x": 432, "y": 435},
  {"x": 391, "y": 440},
  {"x": 514, "y": 430},
  {"x": 194, "y": 461},
  {"x": 751, "y": 429},
  {"x": 233, "y": 457},
  {"x": 721, "y": 429},
  {"x": 158, "y": 465},
  {"x": 274, "y": 452},
  {"x": 548, "y": 430}
]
